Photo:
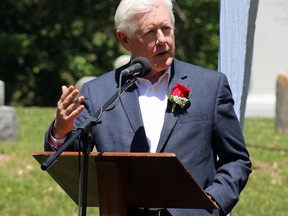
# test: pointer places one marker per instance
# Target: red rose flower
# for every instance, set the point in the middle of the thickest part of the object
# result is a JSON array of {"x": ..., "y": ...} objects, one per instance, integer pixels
[
  {"x": 179, "y": 96},
  {"x": 180, "y": 91}
]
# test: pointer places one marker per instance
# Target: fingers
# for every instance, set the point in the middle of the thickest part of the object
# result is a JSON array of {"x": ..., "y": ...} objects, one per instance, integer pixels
[
  {"x": 68, "y": 108},
  {"x": 74, "y": 108},
  {"x": 64, "y": 88},
  {"x": 68, "y": 96}
]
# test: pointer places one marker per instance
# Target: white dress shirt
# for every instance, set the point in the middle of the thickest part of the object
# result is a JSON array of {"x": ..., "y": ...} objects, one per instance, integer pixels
[{"x": 153, "y": 103}]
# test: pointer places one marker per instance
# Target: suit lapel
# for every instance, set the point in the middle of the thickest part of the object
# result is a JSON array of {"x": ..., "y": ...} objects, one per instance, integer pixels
[
  {"x": 130, "y": 103},
  {"x": 129, "y": 100},
  {"x": 170, "y": 120},
  {"x": 131, "y": 106}
]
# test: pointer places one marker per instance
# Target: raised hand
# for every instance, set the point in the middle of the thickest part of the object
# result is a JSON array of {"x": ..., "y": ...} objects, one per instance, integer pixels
[{"x": 68, "y": 108}]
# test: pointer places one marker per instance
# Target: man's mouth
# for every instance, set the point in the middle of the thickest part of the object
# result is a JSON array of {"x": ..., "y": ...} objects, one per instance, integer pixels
[{"x": 161, "y": 53}]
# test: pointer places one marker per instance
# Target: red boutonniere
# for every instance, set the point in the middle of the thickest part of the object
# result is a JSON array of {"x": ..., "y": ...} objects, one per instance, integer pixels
[{"x": 179, "y": 96}]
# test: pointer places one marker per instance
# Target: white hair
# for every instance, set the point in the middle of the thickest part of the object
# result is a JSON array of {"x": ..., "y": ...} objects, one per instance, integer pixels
[{"x": 125, "y": 16}]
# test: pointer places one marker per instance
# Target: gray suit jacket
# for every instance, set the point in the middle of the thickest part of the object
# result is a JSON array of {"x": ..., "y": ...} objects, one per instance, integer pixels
[{"x": 205, "y": 135}]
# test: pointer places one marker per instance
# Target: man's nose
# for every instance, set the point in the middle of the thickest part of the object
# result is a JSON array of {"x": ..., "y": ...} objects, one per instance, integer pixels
[{"x": 160, "y": 37}]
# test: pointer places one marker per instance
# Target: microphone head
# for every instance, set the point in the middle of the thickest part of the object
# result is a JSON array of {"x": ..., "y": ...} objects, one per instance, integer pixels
[{"x": 145, "y": 63}]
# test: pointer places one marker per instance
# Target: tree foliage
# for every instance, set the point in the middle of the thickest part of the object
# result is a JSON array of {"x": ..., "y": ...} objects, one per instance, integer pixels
[{"x": 47, "y": 43}]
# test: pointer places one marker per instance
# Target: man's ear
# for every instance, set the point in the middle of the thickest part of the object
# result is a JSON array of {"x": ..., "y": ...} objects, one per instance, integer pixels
[{"x": 123, "y": 38}]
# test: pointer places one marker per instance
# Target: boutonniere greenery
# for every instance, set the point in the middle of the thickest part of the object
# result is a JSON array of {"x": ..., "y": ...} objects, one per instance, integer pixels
[{"x": 179, "y": 96}]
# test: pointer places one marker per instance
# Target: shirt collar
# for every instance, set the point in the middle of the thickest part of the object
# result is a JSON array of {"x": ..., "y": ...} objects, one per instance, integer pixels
[{"x": 145, "y": 83}]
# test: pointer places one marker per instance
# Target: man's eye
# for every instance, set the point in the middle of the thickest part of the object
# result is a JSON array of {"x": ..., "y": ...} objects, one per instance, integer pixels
[
  {"x": 166, "y": 29},
  {"x": 150, "y": 31}
]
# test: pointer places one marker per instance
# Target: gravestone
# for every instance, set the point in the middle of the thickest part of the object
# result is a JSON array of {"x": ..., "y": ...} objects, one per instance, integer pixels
[
  {"x": 83, "y": 80},
  {"x": 2, "y": 95},
  {"x": 8, "y": 119},
  {"x": 281, "y": 103}
]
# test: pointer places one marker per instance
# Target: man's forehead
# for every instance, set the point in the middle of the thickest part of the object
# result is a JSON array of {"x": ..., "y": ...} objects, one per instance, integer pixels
[{"x": 156, "y": 17}]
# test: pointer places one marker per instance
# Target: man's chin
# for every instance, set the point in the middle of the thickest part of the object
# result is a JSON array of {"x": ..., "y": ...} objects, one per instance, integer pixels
[{"x": 163, "y": 64}]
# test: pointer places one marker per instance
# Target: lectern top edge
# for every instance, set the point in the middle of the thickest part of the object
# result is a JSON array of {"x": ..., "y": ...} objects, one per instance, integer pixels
[{"x": 109, "y": 154}]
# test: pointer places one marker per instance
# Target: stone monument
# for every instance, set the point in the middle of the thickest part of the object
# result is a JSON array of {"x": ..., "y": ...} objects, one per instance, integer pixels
[
  {"x": 281, "y": 118},
  {"x": 2, "y": 95},
  {"x": 8, "y": 119}
]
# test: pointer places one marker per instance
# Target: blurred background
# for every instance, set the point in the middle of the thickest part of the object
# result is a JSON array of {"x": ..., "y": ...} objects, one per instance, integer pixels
[{"x": 46, "y": 43}]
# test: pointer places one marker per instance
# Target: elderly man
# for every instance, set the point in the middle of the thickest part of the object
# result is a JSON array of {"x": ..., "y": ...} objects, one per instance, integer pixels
[{"x": 177, "y": 107}]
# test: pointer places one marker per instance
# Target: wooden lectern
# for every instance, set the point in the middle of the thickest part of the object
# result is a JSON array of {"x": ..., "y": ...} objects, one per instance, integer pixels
[{"x": 120, "y": 180}]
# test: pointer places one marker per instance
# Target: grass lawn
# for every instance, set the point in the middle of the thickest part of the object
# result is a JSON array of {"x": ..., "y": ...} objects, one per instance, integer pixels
[
  {"x": 266, "y": 192},
  {"x": 27, "y": 190}
]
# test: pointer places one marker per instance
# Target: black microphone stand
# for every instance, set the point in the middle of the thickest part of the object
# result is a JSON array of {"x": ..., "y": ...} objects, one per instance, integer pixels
[{"x": 84, "y": 132}]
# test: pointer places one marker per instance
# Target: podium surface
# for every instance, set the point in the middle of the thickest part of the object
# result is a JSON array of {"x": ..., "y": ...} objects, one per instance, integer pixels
[{"x": 152, "y": 180}]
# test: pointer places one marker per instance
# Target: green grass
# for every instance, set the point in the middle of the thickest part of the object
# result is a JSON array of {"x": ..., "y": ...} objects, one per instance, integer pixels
[
  {"x": 27, "y": 190},
  {"x": 266, "y": 192}
]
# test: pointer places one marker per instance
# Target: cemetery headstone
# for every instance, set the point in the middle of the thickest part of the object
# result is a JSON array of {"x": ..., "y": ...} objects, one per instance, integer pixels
[
  {"x": 281, "y": 103},
  {"x": 8, "y": 119}
]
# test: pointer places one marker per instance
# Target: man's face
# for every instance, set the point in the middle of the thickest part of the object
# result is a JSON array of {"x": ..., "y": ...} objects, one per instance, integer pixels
[{"x": 154, "y": 39}]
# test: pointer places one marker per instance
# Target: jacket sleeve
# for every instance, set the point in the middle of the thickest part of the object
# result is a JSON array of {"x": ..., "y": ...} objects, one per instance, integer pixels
[
  {"x": 49, "y": 147},
  {"x": 233, "y": 164}
]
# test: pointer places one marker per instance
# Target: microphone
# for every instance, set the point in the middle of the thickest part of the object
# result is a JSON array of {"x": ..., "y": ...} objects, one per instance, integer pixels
[{"x": 140, "y": 66}]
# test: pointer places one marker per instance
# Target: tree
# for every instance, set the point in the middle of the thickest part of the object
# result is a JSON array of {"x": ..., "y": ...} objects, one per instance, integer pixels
[
  {"x": 46, "y": 43},
  {"x": 197, "y": 31}
]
